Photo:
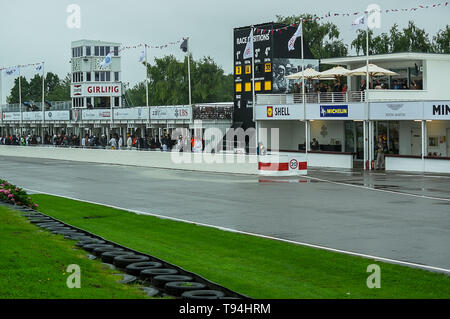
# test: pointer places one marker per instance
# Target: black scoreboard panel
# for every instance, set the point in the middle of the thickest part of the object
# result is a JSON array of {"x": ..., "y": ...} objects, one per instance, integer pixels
[
  {"x": 262, "y": 44},
  {"x": 270, "y": 49},
  {"x": 268, "y": 46}
]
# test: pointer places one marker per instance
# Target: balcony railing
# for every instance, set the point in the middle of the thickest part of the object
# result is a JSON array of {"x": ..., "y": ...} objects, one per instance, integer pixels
[
  {"x": 311, "y": 98},
  {"x": 37, "y": 106}
]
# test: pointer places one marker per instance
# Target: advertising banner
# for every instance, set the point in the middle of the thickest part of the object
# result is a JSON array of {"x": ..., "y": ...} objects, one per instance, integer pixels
[
  {"x": 279, "y": 112},
  {"x": 436, "y": 110},
  {"x": 135, "y": 113},
  {"x": 350, "y": 111},
  {"x": 11, "y": 116},
  {"x": 100, "y": 114},
  {"x": 93, "y": 89},
  {"x": 170, "y": 113},
  {"x": 396, "y": 111},
  {"x": 57, "y": 115}
]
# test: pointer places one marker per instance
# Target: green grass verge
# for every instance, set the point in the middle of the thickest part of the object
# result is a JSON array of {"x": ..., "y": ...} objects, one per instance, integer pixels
[
  {"x": 33, "y": 264},
  {"x": 257, "y": 267}
]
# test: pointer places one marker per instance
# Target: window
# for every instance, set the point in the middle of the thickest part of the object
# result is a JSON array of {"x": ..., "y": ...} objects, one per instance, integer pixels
[
  {"x": 116, "y": 101},
  {"x": 102, "y": 76},
  {"x": 96, "y": 51},
  {"x": 102, "y": 51},
  {"x": 116, "y": 76},
  {"x": 77, "y": 52},
  {"x": 77, "y": 77},
  {"x": 116, "y": 51},
  {"x": 88, "y": 51},
  {"x": 88, "y": 76},
  {"x": 107, "y": 50}
]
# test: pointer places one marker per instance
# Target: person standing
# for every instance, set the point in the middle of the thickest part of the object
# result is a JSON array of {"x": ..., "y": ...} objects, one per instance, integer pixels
[
  {"x": 120, "y": 142},
  {"x": 380, "y": 150},
  {"x": 113, "y": 143},
  {"x": 129, "y": 142},
  {"x": 83, "y": 142}
]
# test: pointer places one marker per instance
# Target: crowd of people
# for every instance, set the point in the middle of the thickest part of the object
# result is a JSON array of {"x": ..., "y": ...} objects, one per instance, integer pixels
[{"x": 115, "y": 142}]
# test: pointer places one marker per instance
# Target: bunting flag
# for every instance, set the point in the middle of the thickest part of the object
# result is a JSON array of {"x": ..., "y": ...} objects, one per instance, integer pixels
[
  {"x": 353, "y": 13},
  {"x": 11, "y": 71}
]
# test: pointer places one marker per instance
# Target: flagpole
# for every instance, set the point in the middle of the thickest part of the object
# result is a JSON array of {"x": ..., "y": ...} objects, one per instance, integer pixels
[
  {"x": 20, "y": 105},
  {"x": 253, "y": 93},
  {"x": 1, "y": 98},
  {"x": 189, "y": 71},
  {"x": 303, "y": 95},
  {"x": 43, "y": 102},
  {"x": 146, "y": 77},
  {"x": 367, "y": 93}
]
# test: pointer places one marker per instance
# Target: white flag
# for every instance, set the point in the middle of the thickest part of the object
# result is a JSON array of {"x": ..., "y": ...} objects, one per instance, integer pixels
[
  {"x": 248, "y": 53},
  {"x": 12, "y": 71},
  {"x": 40, "y": 67},
  {"x": 107, "y": 61},
  {"x": 360, "y": 23},
  {"x": 142, "y": 57},
  {"x": 298, "y": 33}
]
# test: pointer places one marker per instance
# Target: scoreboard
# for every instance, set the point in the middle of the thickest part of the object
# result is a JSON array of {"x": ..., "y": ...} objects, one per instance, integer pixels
[
  {"x": 273, "y": 61},
  {"x": 262, "y": 45}
]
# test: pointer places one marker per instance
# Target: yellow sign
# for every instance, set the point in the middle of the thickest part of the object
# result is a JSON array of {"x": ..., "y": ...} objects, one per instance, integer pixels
[
  {"x": 248, "y": 69},
  {"x": 268, "y": 67},
  {"x": 257, "y": 86},
  {"x": 248, "y": 87},
  {"x": 267, "y": 86},
  {"x": 238, "y": 70},
  {"x": 238, "y": 87}
]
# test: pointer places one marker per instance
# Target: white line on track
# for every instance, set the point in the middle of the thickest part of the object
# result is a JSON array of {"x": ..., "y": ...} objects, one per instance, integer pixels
[
  {"x": 387, "y": 260},
  {"x": 380, "y": 190}
]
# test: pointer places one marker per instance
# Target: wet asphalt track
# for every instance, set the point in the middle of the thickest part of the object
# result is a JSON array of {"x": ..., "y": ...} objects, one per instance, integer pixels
[{"x": 373, "y": 215}]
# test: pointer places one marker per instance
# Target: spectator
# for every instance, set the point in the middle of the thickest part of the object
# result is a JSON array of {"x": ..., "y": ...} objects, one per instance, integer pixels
[{"x": 129, "y": 142}]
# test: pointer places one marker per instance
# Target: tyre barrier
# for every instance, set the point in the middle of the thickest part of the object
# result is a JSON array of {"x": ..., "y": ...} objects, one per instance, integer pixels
[
  {"x": 161, "y": 280},
  {"x": 136, "y": 268},
  {"x": 108, "y": 257},
  {"x": 168, "y": 278},
  {"x": 177, "y": 288},
  {"x": 202, "y": 294}
]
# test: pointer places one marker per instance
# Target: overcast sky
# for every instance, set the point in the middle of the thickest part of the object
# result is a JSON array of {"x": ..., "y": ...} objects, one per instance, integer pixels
[{"x": 33, "y": 31}]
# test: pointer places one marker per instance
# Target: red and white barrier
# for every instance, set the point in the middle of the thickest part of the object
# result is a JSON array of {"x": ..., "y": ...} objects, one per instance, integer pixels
[{"x": 282, "y": 165}]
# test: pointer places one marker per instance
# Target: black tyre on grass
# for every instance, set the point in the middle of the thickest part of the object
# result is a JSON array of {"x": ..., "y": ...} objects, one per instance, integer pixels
[
  {"x": 40, "y": 220},
  {"x": 177, "y": 288},
  {"x": 124, "y": 261},
  {"x": 108, "y": 257},
  {"x": 136, "y": 268},
  {"x": 161, "y": 280},
  {"x": 91, "y": 247},
  {"x": 100, "y": 250},
  {"x": 148, "y": 274},
  {"x": 91, "y": 241},
  {"x": 202, "y": 294}
]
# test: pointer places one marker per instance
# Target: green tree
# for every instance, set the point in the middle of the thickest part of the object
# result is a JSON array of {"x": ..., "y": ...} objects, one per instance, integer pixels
[
  {"x": 168, "y": 83},
  {"x": 14, "y": 95},
  {"x": 410, "y": 39},
  {"x": 441, "y": 41},
  {"x": 322, "y": 38}
]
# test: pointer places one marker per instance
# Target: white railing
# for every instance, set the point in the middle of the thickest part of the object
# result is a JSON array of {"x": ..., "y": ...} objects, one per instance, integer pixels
[
  {"x": 311, "y": 98},
  {"x": 37, "y": 106}
]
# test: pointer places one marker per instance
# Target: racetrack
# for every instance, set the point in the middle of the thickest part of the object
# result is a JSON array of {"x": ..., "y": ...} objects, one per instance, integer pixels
[{"x": 398, "y": 216}]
